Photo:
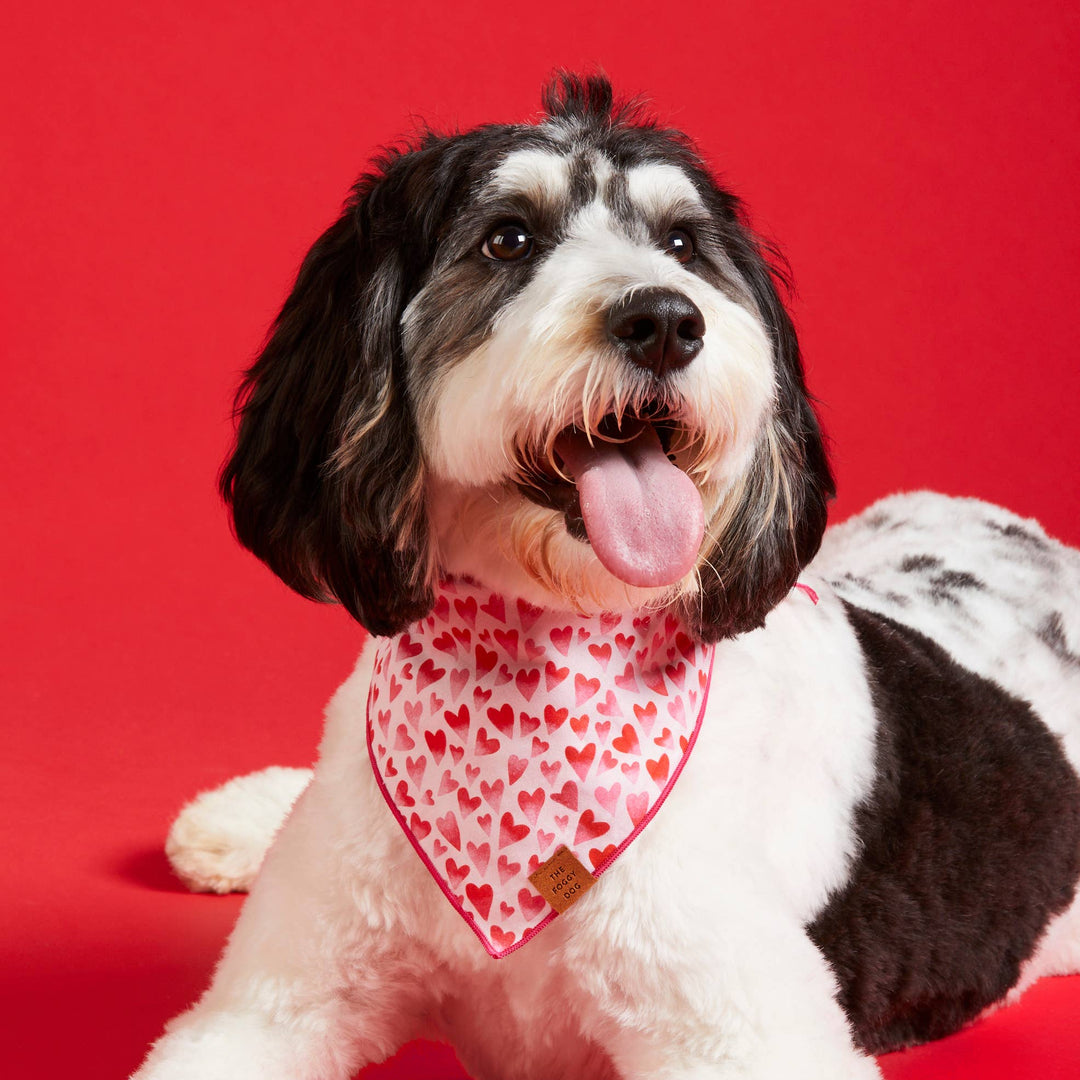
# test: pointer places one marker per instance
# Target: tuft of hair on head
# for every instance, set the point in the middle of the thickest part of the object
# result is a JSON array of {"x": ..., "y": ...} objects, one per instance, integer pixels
[{"x": 590, "y": 100}]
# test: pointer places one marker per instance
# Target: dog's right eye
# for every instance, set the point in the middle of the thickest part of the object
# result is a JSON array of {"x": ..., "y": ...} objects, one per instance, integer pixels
[{"x": 508, "y": 242}]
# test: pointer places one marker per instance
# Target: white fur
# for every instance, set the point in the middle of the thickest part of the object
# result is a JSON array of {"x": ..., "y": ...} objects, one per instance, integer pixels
[
  {"x": 538, "y": 174},
  {"x": 661, "y": 189}
]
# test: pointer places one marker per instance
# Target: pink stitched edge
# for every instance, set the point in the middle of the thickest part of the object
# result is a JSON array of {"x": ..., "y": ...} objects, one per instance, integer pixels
[{"x": 532, "y": 931}]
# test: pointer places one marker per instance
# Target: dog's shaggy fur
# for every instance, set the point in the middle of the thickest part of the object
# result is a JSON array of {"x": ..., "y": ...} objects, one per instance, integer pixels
[{"x": 877, "y": 836}]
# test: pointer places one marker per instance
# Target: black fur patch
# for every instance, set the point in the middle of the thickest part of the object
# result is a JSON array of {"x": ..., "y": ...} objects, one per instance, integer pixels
[
  {"x": 582, "y": 181},
  {"x": 969, "y": 844},
  {"x": 1052, "y": 635},
  {"x": 860, "y": 582},
  {"x": 957, "y": 579},
  {"x": 913, "y": 563},
  {"x": 1016, "y": 532}
]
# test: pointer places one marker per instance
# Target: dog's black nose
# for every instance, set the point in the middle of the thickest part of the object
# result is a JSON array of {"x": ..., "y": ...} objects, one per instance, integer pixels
[{"x": 660, "y": 329}]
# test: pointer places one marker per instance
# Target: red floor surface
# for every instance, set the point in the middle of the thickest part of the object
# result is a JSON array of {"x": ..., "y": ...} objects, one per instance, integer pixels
[{"x": 163, "y": 169}]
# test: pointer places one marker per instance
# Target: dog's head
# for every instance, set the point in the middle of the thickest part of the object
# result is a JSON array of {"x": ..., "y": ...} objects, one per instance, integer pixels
[{"x": 551, "y": 357}]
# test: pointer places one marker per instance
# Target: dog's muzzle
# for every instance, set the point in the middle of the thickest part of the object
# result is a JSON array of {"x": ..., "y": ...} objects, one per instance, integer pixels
[
  {"x": 657, "y": 329},
  {"x": 615, "y": 482}
]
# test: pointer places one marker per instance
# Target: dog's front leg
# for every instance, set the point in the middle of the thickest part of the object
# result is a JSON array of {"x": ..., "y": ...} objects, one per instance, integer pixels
[
  {"x": 323, "y": 973},
  {"x": 687, "y": 982}
]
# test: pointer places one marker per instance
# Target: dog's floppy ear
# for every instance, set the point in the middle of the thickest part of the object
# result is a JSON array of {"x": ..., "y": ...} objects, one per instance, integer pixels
[
  {"x": 326, "y": 480},
  {"x": 776, "y": 517}
]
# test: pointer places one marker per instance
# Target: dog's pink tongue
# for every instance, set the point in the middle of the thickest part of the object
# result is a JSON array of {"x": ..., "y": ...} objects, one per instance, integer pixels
[{"x": 643, "y": 515}]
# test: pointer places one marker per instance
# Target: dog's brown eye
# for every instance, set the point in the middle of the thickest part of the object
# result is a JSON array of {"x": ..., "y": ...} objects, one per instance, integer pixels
[
  {"x": 508, "y": 242},
  {"x": 679, "y": 245}
]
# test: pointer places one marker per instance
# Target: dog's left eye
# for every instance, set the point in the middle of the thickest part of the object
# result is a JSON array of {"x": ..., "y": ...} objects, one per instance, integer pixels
[
  {"x": 508, "y": 242},
  {"x": 679, "y": 245}
]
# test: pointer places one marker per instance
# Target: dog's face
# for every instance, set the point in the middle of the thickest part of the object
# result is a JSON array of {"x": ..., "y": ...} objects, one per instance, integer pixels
[{"x": 550, "y": 357}]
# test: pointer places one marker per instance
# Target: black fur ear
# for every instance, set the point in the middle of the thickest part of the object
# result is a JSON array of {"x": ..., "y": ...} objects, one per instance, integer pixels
[
  {"x": 326, "y": 480},
  {"x": 779, "y": 514}
]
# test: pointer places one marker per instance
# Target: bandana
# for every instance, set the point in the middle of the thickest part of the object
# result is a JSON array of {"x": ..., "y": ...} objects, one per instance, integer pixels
[{"x": 510, "y": 739}]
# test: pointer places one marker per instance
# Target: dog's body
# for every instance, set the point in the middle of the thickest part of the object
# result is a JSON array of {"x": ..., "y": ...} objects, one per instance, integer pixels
[{"x": 877, "y": 834}]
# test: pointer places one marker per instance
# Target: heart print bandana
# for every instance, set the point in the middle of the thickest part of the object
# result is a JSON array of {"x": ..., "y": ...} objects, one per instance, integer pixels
[{"x": 500, "y": 731}]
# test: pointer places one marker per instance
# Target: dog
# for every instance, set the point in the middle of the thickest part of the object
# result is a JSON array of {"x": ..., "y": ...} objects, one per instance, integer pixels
[{"x": 535, "y": 414}]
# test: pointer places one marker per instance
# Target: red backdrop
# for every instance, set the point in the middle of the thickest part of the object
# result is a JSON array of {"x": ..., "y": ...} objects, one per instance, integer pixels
[{"x": 164, "y": 169}]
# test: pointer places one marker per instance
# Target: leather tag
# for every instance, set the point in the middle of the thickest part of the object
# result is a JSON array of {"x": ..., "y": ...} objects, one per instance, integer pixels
[{"x": 562, "y": 880}]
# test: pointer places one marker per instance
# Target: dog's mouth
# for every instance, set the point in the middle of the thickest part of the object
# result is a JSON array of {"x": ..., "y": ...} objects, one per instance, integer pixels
[{"x": 620, "y": 489}]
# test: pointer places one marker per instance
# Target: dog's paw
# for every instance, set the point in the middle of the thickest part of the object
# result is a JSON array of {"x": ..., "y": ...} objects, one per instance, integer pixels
[
  {"x": 218, "y": 841},
  {"x": 208, "y": 1045}
]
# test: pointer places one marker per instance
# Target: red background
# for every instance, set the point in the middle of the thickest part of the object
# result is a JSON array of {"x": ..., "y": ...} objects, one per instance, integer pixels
[{"x": 165, "y": 168}]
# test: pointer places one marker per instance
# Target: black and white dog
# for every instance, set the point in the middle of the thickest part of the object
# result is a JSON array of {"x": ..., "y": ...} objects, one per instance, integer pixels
[{"x": 548, "y": 363}]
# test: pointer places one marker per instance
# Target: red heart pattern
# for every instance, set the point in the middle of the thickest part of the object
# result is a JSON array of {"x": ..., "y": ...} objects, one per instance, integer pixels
[{"x": 521, "y": 750}]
